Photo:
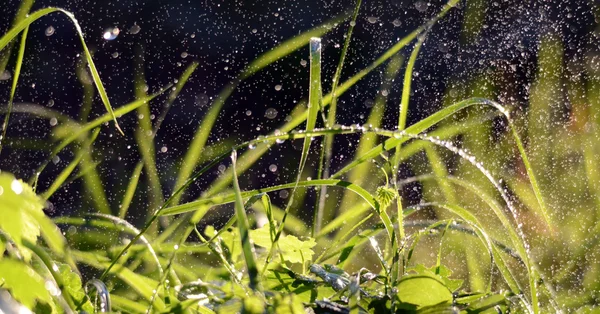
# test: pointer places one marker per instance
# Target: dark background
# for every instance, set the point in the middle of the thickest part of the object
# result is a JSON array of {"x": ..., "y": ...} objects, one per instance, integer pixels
[{"x": 224, "y": 36}]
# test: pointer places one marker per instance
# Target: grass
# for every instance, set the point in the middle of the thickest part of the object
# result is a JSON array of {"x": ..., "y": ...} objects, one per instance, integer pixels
[{"x": 372, "y": 252}]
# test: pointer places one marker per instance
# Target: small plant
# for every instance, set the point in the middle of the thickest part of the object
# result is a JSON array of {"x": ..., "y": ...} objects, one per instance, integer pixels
[{"x": 364, "y": 254}]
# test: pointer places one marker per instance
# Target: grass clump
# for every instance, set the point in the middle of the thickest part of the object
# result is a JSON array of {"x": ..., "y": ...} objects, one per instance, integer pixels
[{"x": 372, "y": 253}]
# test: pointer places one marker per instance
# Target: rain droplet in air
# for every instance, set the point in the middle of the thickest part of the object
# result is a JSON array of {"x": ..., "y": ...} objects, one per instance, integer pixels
[
  {"x": 271, "y": 113},
  {"x": 372, "y": 19},
  {"x": 5, "y": 75},
  {"x": 396, "y": 22},
  {"x": 278, "y": 87},
  {"x": 134, "y": 29},
  {"x": 111, "y": 33},
  {"x": 273, "y": 168},
  {"x": 53, "y": 121},
  {"x": 201, "y": 100},
  {"x": 49, "y": 31},
  {"x": 421, "y": 6}
]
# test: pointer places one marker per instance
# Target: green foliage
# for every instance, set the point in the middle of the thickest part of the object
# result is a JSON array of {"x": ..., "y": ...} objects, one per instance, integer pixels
[{"x": 364, "y": 255}]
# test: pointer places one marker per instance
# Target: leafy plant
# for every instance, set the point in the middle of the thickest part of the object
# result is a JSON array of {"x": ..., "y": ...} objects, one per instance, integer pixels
[{"x": 372, "y": 253}]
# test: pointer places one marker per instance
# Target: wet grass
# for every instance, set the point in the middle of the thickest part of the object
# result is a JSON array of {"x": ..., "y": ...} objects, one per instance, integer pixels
[{"x": 371, "y": 251}]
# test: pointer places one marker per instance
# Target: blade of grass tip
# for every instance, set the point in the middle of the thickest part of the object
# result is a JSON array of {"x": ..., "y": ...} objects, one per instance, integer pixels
[
  {"x": 178, "y": 87},
  {"x": 22, "y": 12},
  {"x": 315, "y": 98},
  {"x": 327, "y": 149},
  {"x": 62, "y": 177},
  {"x": 244, "y": 229},
  {"x": 14, "y": 85}
]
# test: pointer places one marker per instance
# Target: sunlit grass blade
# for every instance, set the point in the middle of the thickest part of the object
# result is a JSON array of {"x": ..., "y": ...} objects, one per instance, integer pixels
[
  {"x": 62, "y": 177},
  {"x": 14, "y": 85},
  {"x": 244, "y": 229}
]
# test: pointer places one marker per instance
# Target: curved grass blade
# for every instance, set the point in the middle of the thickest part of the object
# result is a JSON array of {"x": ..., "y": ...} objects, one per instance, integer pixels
[
  {"x": 95, "y": 76},
  {"x": 133, "y": 230},
  {"x": 130, "y": 191},
  {"x": 22, "y": 12},
  {"x": 244, "y": 228}
]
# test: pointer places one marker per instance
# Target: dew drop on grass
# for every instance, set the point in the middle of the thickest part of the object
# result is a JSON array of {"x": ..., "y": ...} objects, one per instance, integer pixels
[
  {"x": 271, "y": 113},
  {"x": 251, "y": 146},
  {"x": 49, "y": 31}
]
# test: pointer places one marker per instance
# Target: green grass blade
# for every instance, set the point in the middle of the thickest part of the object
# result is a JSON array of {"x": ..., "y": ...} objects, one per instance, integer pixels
[
  {"x": 14, "y": 85},
  {"x": 244, "y": 229},
  {"x": 62, "y": 177},
  {"x": 130, "y": 191},
  {"x": 327, "y": 149}
]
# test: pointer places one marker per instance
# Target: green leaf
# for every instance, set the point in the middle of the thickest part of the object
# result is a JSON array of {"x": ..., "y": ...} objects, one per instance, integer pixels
[
  {"x": 25, "y": 285},
  {"x": 20, "y": 209},
  {"x": 422, "y": 291},
  {"x": 288, "y": 304},
  {"x": 73, "y": 286},
  {"x": 293, "y": 249},
  {"x": 444, "y": 275}
]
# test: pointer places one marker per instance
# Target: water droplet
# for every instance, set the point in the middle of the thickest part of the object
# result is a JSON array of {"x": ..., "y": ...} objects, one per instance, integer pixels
[
  {"x": 284, "y": 193},
  {"x": 184, "y": 54},
  {"x": 163, "y": 149},
  {"x": 251, "y": 146},
  {"x": 53, "y": 121},
  {"x": 273, "y": 168},
  {"x": 277, "y": 87},
  {"x": 271, "y": 113},
  {"x": 248, "y": 113},
  {"x": 303, "y": 62},
  {"x": 421, "y": 6},
  {"x": 55, "y": 160},
  {"x": 111, "y": 33},
  {"x": 352, "y": 23},
  {"x": 372, "y": 19},
  {"x": 254, "y": 31},
  {"x": 49, "y": 31},
  {"x": 16, "y": 186},
  {"x": 202, "y": 100},
  {"x": 396, "y": 23},
  {"x": 134, "y": 29}
]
